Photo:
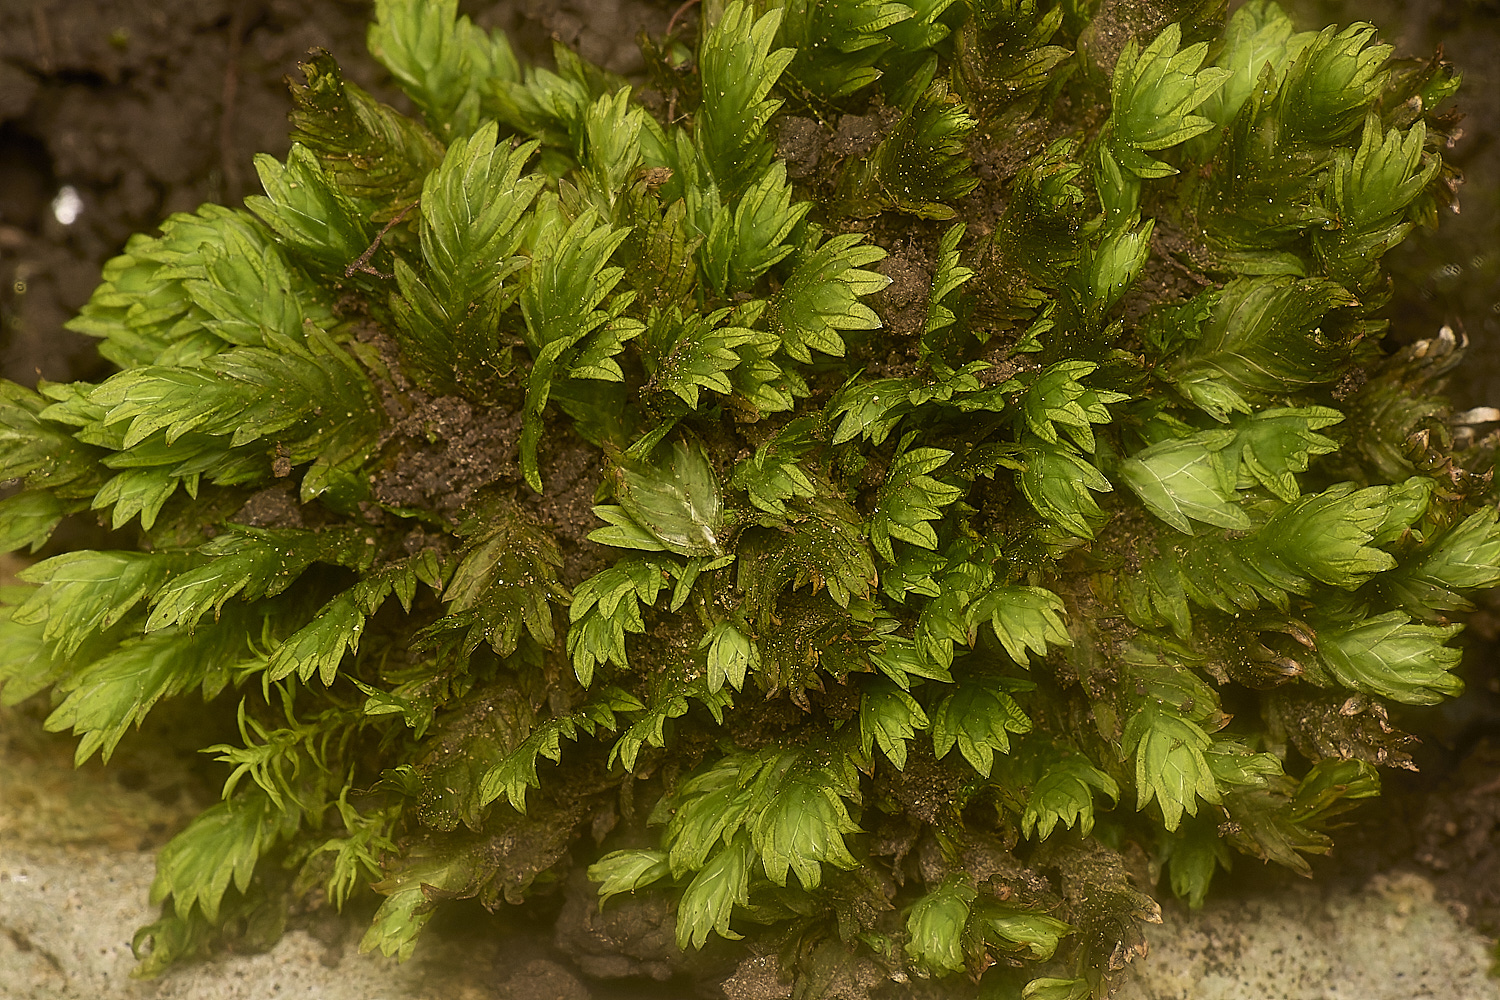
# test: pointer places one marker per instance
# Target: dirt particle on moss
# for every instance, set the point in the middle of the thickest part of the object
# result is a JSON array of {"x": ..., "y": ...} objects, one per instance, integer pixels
[
  {"x": 273, "y": 507},
  {"x": 857, "y": 135},
  {"x": 453, "y": 448},
  {"x": 572, "y": 470},
  {"x": 903, "y": 303},
  {"x": 800, "y": 142}
]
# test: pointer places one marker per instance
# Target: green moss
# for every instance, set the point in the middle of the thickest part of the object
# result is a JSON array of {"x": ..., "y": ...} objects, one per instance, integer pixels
[{"x": 993, "y": 463}]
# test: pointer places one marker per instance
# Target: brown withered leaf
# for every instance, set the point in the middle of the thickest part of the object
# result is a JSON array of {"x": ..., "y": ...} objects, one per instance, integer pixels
[{"x": 1330, "y": 726}]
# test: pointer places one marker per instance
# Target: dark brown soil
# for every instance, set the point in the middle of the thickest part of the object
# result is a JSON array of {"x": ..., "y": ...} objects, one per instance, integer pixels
[
  {"x": 148, "y": 107},
  {"x": 1458, "y": 836}
]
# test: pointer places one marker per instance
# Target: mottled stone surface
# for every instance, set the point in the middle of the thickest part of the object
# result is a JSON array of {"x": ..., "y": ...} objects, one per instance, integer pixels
[
  {"x": 1390, "y": 940},
  {"x": 77, "y": 851},
  {"x": 67, "y": 916}
]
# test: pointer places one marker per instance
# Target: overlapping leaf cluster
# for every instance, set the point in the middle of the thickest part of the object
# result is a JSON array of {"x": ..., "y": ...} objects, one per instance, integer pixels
[{"x": 903, "y": 632}]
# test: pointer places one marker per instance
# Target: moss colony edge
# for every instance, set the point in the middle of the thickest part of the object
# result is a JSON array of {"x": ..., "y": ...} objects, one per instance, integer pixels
[{"x": 880, "y": 487}]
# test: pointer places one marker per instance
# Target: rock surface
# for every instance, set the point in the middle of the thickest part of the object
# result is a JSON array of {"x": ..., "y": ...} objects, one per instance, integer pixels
[
  {"x": 67, "y": 916},
  {"x": 1391, "y": 940},
  {"x": 67, "y": 913}
]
